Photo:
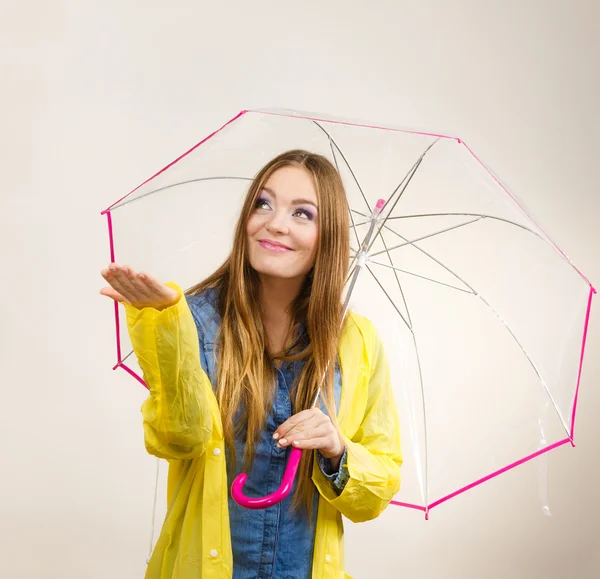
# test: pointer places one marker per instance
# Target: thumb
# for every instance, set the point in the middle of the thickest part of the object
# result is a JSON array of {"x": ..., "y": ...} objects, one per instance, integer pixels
[{"x": 113, "y": 294}]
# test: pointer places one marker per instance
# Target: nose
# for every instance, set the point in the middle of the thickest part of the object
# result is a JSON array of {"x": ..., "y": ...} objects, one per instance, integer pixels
[{"x": 277, "y": 224}]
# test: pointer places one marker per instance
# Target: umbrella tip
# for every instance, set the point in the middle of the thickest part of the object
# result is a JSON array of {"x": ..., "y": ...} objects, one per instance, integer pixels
[{"x": 379, "y": 206}]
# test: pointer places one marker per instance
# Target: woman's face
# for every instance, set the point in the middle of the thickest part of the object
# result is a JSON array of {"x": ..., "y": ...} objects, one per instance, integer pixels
[{"x": 283, "y": 230}]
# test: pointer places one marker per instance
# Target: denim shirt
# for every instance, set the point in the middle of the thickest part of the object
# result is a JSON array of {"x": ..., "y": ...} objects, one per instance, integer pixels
[{"x": 276, "y": 542}]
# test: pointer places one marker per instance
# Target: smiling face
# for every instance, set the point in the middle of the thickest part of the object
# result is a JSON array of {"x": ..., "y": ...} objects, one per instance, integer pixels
[{"x": 283, "y": 227}]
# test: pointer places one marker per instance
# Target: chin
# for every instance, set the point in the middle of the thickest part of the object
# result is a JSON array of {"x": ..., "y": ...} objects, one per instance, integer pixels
[{"x": 277, "y": 271}]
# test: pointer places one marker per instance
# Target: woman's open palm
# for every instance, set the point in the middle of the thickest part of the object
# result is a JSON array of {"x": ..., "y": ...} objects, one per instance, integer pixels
[{"x": 137, "y": 289}]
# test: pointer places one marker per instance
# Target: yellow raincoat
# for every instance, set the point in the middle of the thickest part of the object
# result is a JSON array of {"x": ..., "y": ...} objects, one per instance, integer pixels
[{"x": 182, "y": 424}]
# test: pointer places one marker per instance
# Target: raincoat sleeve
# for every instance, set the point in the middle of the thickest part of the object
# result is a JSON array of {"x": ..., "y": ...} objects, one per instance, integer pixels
[
  {"x": 373, "y": 454},
  {"x": 178, "y": 415}
]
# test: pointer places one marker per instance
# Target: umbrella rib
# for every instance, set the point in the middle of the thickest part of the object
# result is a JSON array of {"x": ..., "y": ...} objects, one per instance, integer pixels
[
  {"x": 387, "y": 251},
  {"x": 421, "y": 276},
  {"x": 420, "y": 249},
  {"x": 397, "y": 280},
  {"x": 487, "y": 304},
  {"x": 389, "y": 298},
  {"x": 406, "y": 180},
  {"x": 425, "y": 443},
  {"x": 411, "y": 329},
  {"x": 332, "y": 141},
  {"x": 353, "y": 226},
  {"x": 533, "y": 365},
  {"x": 125, "y": 358},
  {"x": 408, "y": 176},
  {"x": 469, "y": 215},
  {"x": 434, "y": 234},
  {"x": 493, "y": 217},
  {"x": 177, "y": 185}
]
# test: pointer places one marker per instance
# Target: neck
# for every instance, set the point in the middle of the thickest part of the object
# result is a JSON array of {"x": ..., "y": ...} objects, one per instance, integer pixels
[{"x": 276, "y": 296}]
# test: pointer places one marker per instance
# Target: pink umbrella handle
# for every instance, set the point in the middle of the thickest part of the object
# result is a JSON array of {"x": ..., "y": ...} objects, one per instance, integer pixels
[{"x": 237, "y": 488}]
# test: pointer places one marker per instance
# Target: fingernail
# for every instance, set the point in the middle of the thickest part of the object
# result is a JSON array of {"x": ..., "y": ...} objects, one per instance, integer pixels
[
  {"x": 296, "y": 442},
  {"x": 283, "y": 441},
  {"x": 276, "y": 436}
]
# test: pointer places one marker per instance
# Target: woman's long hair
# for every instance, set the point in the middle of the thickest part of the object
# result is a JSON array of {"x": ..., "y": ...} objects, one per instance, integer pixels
[{"x": 246, "y": 375}]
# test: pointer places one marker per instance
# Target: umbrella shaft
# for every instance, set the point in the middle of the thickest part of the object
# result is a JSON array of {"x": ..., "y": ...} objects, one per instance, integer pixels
[{"x": 361, "y": 260}]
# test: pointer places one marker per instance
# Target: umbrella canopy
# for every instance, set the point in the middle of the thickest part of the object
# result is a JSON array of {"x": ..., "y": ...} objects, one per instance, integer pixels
[{"x": 482, "y": 316}]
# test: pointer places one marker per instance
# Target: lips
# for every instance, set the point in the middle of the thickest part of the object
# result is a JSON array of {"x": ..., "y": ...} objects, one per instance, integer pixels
[{"x": 274, "y": 246}]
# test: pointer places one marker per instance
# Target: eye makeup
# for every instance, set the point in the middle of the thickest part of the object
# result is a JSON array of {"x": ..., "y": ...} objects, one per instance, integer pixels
[{"x": 304, "y": 213}]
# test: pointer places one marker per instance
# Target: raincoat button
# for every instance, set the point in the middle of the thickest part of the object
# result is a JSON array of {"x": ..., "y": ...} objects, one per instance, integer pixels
[
  {"x": 327, "y": 559},
  {"x": 216, "y": 452},
  {"x": 214, "y": 553}
]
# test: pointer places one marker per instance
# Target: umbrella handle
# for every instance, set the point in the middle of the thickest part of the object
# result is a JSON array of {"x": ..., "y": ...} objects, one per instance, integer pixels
[{"x": 237, "y": 488}]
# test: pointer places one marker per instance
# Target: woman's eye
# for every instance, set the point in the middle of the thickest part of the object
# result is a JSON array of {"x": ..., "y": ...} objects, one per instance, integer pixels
[
  {"x": 261, "y": 204},
  {"x": 304, "y": 214}
]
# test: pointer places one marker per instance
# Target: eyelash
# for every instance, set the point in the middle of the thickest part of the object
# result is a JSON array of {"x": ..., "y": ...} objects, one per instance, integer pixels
[
  {"x": 259, "y": 202},
  {"x": 308, "y": 214}
]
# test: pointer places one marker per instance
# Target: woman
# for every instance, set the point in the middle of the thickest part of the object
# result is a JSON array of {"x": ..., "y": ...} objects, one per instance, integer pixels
[{"x": 233, "y": 370}]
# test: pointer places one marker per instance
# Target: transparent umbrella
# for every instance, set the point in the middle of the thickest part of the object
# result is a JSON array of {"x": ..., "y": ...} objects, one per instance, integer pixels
[{"x": 482, "y": 316}]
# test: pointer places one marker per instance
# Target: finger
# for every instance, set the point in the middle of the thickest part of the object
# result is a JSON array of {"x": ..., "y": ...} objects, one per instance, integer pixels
[
  {"x": 292, "y": 422},
  {"x": 113, "y": 280},
  {"x": 313, "y": 443},
  {"x": 111, "y": 293},
  {"x": 150, "y": 281},
  {"x": 124, "y": 285},
  {"x": 305, "y": 431},
  {"x": 112, "y": 274},
  {"x": 153, "y": 286},
  {"x": 302, "y": 424},
  {"x": 136, "y": 283}
]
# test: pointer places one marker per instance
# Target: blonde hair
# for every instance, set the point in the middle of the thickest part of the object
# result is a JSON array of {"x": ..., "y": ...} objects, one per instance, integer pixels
[{"x": 246, "y": 376}]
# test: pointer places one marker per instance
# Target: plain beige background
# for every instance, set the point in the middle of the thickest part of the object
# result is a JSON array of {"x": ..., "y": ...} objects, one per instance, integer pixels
[{"x": 96, "y": 96}]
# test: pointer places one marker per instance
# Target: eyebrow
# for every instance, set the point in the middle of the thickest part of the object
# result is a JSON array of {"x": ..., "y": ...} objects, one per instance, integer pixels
[{"x": 294, "y": 201}]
